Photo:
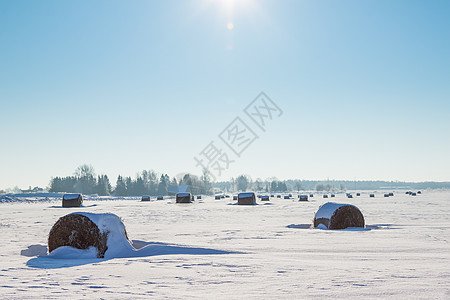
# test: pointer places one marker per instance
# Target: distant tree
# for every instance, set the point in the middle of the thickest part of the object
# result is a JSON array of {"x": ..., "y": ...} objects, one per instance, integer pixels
[
  {"x": 121, "y": 188},
  {"x": 163, "y": 185},
  {"x": 103, "y": 186},
  {"x": 242, "y": 182}
]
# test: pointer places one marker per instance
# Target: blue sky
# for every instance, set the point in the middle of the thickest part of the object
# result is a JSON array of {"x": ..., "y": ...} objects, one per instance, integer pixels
[{"x": 126, "y": 86}]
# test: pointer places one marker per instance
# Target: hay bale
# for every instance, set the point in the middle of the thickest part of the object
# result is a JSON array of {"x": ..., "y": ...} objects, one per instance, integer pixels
[
  {"x": 302, "y": 197},
  {"x": 338, "y": 216},
  {"x": 85, "y": 230},
  {"x": 145, "y": 198},
  {"x": 372, "y": 195},
  {"x": 160, "y": 198},
  {"x": 72, "y": 200},
  {"x": 265, "y": 198},
  {"x": 246, "y": 199},
  {"x": 183, "y": 198}
]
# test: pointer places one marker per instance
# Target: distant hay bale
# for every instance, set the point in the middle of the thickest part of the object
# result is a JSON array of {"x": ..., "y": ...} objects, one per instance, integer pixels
[
  {"x": 302, "y": 197},
  {"x": 183, "y": 198},
  {"x": 338, "y": 216},
  {"x": 72, "y": 200},
  {"x": 159, "y": 198},
  {"x": 145, "y": 198},
  {"x": 246, "y": 199},
  {"x": 325, "y": 196},
  {"x": 265, "y": 198},
  {"x": 372, "y": 195}
]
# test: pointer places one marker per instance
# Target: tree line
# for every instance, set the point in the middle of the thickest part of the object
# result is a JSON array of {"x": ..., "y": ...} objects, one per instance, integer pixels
[{"x": 146, "y": 182}]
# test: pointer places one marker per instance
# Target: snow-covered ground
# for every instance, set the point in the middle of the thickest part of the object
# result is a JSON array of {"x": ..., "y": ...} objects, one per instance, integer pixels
[{"x": 212, "y": 249}]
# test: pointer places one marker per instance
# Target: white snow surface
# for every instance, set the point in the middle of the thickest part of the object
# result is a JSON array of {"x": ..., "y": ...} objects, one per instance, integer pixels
[
  {"x": 71, "y": 196},
  {"x": 212, "y": 250},
  {"x": 328, "y": 209}
]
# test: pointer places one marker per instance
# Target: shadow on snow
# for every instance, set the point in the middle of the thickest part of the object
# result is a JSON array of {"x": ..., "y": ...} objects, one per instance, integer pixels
[{"x": 143, "y": 249}]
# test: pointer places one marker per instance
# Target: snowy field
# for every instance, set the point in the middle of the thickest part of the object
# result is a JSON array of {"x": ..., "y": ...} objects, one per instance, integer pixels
[{"x": 213, "y": 249}]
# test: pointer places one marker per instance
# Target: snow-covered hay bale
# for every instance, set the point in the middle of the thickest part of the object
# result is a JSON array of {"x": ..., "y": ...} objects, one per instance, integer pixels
[
  {"x": 72, "y": 200},
  {"x": 104, "y": 232},
  {"x": 302, "y": 197},
  {"x": 338, "y": 216},
  {"x": 145, "y": 198},
  {"x": 246, "y": 199},
  {"x": 265, "y": 198},
  {"x": 183, "y": 198}
]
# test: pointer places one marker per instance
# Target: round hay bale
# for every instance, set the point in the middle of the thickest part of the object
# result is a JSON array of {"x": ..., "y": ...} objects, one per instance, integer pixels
[
  {"x": 338, "y": 216},
  {"x": 105, "y": 232},
  {"x": 77, "y": 231}
]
